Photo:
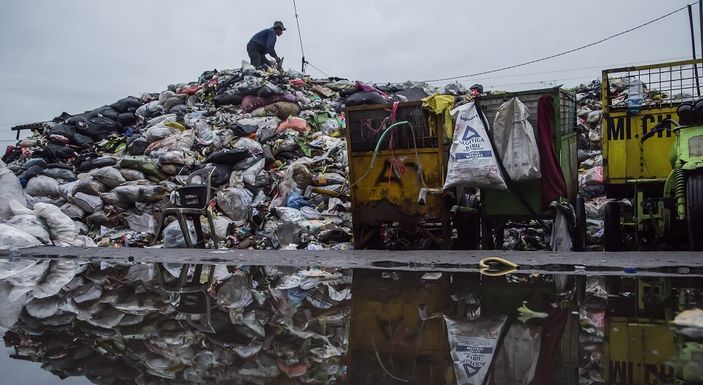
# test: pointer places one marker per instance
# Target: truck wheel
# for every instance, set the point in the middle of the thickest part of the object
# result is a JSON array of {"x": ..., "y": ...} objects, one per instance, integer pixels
[
  {"x": 612, "y": 235},
  {"x": 694, "y": 210},
  {"x": 580, "y": 236}
]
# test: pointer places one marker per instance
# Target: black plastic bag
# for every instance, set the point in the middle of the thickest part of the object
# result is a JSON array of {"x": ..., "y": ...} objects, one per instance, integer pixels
[
  {"x": 70, "y": 133},
  {"x": 137, "y": 146},
  {"x": 124, "y": 104},
  {"x": 228, "y": 100},
  {"x": 229, "y": 157},
  {"x": 78, "y": 121},
  {"x": 105, "y": 111},
  {"x": 127, "y": 118},
  {"x": 360, "y": 98},
  {"x": 59, "y": 151},
  {"x": 100, "y": 128},
  {"x": 244, "y": 129},
  {"x": 221, "y": 174},
  {"x": 89, "y": 164}
]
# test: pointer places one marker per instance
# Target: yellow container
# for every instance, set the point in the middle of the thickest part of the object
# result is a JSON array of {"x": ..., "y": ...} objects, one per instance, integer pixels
[
  {"x": 667, "y": 85},
  {"x": 385, "y": 188}
]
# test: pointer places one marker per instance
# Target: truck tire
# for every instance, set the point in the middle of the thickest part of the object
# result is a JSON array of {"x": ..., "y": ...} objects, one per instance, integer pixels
[
  {"x": 612, "y": 234},
  {"x": 580, "y": 230},
  {"x": 694, "y": 210}
]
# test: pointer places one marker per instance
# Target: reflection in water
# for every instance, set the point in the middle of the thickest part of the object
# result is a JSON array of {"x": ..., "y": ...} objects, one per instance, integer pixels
[
  {"x": 158, "y": 324},
  {"x": 125, "y": 323}
]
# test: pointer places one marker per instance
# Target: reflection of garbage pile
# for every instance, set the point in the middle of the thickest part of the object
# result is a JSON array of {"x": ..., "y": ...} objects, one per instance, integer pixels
[
  {"x": 113, "y": 322},
  {"x": 275, "y": 139},
  {"x": 592, "y": 365}
]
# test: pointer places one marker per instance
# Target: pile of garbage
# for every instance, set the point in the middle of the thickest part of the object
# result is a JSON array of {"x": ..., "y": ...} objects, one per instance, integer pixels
[
  {"x": 589, "y": 117},
  {"x": 111, "y": 171},
  {"x": 274, "y": 139},
  {"x": 118, "y": 323}
]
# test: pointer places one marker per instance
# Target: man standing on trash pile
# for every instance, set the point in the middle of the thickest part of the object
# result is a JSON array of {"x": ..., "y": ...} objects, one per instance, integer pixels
[{"x": 264, "y": 42}]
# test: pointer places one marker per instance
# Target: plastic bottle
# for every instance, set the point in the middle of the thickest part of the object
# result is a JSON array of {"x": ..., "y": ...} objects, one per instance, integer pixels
[{"x": 635, "y": 96}]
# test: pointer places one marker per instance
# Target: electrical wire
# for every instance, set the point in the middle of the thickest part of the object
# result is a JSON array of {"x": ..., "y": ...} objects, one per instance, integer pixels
[
  {"x": 319, "y": 70},
  {"x": 578, "y": 69},
  {"x": 560, "y": 53}
]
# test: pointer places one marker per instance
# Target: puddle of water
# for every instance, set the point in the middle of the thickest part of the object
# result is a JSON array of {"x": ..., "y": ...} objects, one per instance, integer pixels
[{"x": 131, "y": 323}]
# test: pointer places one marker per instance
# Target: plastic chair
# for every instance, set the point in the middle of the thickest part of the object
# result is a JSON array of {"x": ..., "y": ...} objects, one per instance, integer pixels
[{"x": 192, "y": 202}]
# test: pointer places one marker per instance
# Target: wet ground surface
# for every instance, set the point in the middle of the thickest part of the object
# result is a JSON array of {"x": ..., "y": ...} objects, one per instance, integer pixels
[{"x": 79, "y": 321}]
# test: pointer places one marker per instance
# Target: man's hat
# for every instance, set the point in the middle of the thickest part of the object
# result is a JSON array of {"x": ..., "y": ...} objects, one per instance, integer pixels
[{"x": 279, "y": 24}]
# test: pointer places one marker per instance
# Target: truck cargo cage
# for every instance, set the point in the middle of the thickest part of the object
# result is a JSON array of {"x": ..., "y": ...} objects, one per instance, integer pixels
[
  {"x": 366, "y": 123},
  {"x": 664, "y": 85}
]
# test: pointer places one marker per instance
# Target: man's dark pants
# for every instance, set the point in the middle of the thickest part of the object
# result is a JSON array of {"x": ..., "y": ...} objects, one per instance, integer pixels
[{"x": 257, "y": 55}]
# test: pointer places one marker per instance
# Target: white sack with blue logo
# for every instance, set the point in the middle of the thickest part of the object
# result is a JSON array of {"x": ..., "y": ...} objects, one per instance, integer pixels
[{"x": 472, "y": 160}]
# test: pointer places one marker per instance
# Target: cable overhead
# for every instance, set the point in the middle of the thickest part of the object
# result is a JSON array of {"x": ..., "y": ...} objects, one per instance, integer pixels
[
  {"x": 319, "y": 70},
  {"x": 300, "y": 37},
  {"x": 561, "y": 53}
]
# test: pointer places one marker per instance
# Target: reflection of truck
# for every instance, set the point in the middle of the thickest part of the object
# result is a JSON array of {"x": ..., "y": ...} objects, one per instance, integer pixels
[
  {"x": 635, "y": 102},
  {"x": 642, "y": 347}
]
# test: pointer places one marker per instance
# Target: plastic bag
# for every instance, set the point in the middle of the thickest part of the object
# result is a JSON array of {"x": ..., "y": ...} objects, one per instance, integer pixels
[
  {"x": 144, "y": 223},
  {"x": 31, "y": 224},
  {"x": 173, "y": 236},
  {"x": 61, "y": 227},
  {"x": 158, "y": 132},
  {"x": 234, "y": 202},
  {"x": 143, "y": 164},
  {"x": 289, "y": 214},
  {"x": 73, "y": 211},
  {"x": 204, "y": 132},
  {"x": 89, "y": 186},
  {"x": 592, "y": 176},
  {"x": 515, "y": 141},
  {"x": 472, "y": 344},
  {"x": 131, "y": 192},
  {"x": 89, "y": 203},
  {"x": 60, "y": 272},
  {"x": 295, "y": 123},
  {"x": 184, "y": 140},
  {"x": 9, "y": 187},
  {"x": 11, "y": 237},
  {"x": 252, "y": 146},
  {"x": 59, "y": 173},
  {"x": 359, "y": 98},
  {"x": 516, "y": 362},
  {"x": 42, "y": 185},
  {"x": 472, "y": 161},
  {"x": 249, "y": 176},
  {"x": 66, "y": 189},
  {"x": 11, "y": 306},
  {"x": 282, "y": 110},
  {"x": 109, "y": 176},
  {"x": 131, "y": 175}
]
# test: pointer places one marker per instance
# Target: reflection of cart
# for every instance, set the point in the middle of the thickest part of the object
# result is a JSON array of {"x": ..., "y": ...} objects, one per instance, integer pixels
[
  {"x": 523, "y": 200},
  {"x": 386, "y": 178}
]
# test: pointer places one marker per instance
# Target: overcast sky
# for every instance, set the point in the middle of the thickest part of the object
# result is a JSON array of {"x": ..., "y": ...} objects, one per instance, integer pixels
[{"x": 74, "y": 55}]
